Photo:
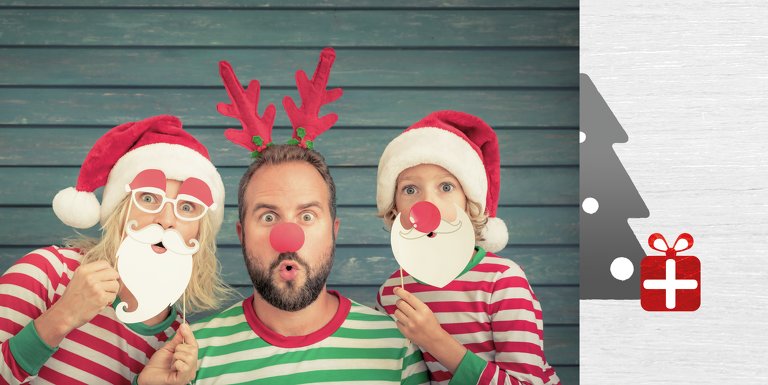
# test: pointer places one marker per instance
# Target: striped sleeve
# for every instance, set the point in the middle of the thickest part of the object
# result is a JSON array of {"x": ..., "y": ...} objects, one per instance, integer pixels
[
  {"x": 379, "y": 306},
  {"x": 516, "y": 321},
  {"x": 414, "y": 370},
  {"x": 27, "y": 289}
]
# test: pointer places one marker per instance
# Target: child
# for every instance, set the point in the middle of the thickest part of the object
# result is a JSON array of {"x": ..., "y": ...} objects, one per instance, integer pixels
[{"x": 485, "y": 326}]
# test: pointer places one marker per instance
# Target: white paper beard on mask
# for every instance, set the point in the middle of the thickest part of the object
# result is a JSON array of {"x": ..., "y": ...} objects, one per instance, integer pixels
[
  {"x": 155, "y": 280},
  {"x": 434, "y": 260}
]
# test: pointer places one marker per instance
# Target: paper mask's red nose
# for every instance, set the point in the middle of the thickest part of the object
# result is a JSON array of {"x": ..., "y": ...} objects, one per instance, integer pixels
[
  {"x": 286, "y": 237},
  {"x": 425, "y": 217}
]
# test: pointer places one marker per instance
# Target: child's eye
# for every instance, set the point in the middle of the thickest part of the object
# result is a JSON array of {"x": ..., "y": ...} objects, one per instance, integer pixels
[
  {"x": 307, "y": 217},
  {"x": 409, "y": 190},
  {"x": 447, "y": 187},
  {"x": 268, "y": 217}
]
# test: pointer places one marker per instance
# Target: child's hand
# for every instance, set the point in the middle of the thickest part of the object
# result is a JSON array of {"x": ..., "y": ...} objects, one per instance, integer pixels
[{"x": 416, "y": 321}]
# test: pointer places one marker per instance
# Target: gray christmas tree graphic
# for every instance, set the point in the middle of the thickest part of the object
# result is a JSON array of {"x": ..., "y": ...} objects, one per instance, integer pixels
[{"x": 610, "y": 253}]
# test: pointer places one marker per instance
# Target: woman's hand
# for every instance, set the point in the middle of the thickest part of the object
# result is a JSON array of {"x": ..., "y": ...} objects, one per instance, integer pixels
[{"x": 93, "y": 287}]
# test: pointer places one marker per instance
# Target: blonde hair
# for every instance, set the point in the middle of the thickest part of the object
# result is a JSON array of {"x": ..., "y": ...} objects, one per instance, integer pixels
[
  {"x": 205, "y": 291},
  {"x": 473, "y": 210}
]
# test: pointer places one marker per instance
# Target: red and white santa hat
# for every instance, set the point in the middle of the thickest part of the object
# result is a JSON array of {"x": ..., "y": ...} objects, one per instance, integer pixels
[
  {"x": 464, "y": 145},
  {"x": 125, "y": 151}
]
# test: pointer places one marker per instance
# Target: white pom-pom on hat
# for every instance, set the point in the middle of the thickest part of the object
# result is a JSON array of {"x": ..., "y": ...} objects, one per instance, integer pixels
[
  {"x": 495, "y": 235},
  {"x": 79, "y": 209}
]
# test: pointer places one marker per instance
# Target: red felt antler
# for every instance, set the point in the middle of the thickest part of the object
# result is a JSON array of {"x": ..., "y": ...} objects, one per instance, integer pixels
[
  {"x": 256, "y": 134},
  {"x": 306, "y": 122}
]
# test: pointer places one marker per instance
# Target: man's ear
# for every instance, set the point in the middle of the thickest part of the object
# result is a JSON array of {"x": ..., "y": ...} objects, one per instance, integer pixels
[
  {"x": 336, "y": 224},
  {"x": 239, "y": 229}
]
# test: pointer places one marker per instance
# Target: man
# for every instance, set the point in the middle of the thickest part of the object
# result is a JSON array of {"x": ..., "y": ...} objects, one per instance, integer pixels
[
  {"x": 293, "y": 330},
  {"x": 161, "y": 208}
]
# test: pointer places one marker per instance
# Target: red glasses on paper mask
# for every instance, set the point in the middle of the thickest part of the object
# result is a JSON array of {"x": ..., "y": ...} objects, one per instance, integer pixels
[{"x": 191, "y": 203}]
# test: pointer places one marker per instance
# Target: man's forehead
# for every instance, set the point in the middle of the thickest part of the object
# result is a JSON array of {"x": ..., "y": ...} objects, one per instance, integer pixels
[
  {"x": 285, "y": 203},
  {"x": 287, "y": 185},
  {"x": 287, "y": 195}
]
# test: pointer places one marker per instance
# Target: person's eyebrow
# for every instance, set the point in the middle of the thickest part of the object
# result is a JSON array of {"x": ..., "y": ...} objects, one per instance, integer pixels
[
  {"x": 310, "y": 204},
  {"x": 259, "y": 206}
]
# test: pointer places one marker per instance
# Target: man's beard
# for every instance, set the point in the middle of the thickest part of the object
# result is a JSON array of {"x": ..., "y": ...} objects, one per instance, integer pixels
[
  {"x": 155, "y": 280},
  {"x": 293, "y": 297}
]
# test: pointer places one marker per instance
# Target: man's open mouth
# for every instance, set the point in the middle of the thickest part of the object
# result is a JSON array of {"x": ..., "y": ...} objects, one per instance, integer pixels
[{"x": 288, "y": 270}]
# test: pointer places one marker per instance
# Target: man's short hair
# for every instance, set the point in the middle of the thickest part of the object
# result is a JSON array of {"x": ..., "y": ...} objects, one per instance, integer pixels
[{"x": 285, "y": 153}]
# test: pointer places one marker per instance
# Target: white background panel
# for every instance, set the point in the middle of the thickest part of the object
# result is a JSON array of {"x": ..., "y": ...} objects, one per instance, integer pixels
[{"x": 688, "y": 81}]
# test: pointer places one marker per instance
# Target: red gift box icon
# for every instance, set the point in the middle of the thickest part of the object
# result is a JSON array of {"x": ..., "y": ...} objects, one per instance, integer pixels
[{"x": 670, "y": 282}]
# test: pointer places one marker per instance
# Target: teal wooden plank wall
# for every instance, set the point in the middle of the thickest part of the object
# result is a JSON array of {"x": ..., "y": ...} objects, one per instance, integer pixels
[{"x": 71, "y": 70}]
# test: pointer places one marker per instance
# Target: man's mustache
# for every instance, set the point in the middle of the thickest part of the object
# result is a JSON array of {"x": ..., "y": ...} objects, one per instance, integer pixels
[{"x": 154, "y": 233}]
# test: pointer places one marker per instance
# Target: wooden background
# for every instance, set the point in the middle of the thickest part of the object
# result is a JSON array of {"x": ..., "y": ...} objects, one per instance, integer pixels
[
  {"x": 688, "y": 81},
  {"x": 70, "y": 72}
]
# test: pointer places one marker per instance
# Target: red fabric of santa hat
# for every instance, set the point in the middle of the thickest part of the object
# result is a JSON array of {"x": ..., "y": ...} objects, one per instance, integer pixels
[{"x": 122, "y": 153}]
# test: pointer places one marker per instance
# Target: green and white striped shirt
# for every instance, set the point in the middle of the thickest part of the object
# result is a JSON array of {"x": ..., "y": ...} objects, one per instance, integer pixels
[{"x": 359, "y": 345}]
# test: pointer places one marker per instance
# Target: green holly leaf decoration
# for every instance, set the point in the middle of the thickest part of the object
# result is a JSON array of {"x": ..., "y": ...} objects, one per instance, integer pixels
[
  {"x": 257, "y": 140},
  {"x": 255, "y": 154},
  {"x": 301, "y": 132},
  {"x": 310, "y": 145},
  {"x": 293, "y": 141}
]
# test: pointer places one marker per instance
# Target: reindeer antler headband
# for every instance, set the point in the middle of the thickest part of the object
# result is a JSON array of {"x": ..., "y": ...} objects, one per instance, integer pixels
[{"x": 256, "y": 133}]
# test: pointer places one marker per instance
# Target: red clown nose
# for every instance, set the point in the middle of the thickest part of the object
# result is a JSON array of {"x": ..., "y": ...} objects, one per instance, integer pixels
[
  {"x": 425, "y": 216},
  {"x": 286, "y": 237}
]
